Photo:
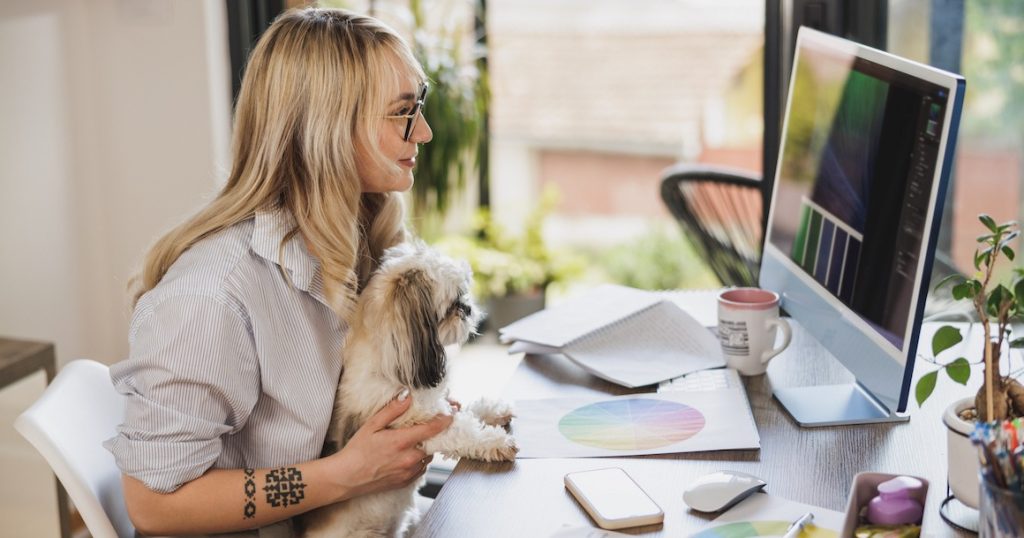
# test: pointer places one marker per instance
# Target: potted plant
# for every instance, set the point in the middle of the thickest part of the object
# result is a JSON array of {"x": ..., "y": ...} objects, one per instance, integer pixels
[
  {"x": 455, "y": 107},
  {"x": 511, "y": 273},
  {"x": 1000, "y": 396}
]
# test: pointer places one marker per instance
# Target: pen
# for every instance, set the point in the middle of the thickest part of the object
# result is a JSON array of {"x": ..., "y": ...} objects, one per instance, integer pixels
[{"x": 797, "y": 527}]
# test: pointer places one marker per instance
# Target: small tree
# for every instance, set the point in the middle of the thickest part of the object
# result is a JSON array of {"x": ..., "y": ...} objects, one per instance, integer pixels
[
  {"x": 455, "y": 108},
  {"x": 1000, "y": 397}
]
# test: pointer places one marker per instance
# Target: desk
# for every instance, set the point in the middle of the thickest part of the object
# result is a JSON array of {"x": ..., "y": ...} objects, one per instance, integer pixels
[
  {"x": 814, "y": 466},
  {"x": 19, "y": 359}
]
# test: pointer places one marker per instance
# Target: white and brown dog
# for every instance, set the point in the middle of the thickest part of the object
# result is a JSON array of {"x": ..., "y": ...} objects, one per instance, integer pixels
[{"x": 416, "y": 303}]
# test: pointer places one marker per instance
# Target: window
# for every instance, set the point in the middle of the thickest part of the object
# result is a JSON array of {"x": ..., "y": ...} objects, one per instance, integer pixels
[
  {"x": 594, "y": 98},
  {"x": 984, "y": 41}
]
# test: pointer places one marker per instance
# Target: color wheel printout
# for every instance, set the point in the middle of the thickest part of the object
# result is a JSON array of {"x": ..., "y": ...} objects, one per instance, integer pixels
[
  {"x": 633, "y": 425},
  {"x": 764, "y": 515}
]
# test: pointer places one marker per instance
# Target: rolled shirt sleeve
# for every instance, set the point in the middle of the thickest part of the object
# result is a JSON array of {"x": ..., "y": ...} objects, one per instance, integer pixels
[{"x": 191, "y": 378}]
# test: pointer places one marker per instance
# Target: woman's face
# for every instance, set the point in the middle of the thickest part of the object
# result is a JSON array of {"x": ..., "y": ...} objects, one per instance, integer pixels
[{"x": 392, "y": 145}]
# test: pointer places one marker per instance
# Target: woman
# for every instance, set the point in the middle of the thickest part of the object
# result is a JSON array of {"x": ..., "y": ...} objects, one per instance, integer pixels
[{"x": 240, "y": 312}]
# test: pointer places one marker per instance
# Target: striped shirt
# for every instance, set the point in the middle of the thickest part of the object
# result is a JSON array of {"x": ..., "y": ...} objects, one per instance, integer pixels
[{"x": 230, "y": 364}]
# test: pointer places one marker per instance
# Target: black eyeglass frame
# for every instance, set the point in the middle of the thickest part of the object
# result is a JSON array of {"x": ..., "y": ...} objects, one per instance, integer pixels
[{"x": 413, "y": 115}]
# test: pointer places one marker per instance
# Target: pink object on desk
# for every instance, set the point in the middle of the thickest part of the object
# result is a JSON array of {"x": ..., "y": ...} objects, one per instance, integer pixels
[{"x": 895, "y": 504}]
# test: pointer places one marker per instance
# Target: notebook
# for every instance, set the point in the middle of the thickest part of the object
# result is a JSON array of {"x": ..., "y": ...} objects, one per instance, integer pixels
[{"x": 627, "y": 336}]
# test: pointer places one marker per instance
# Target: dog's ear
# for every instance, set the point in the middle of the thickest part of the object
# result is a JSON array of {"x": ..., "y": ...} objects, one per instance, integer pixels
[{"x": 427, "y": 360}]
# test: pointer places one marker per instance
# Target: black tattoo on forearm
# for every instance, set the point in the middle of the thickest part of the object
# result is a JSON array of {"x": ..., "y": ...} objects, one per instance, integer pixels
[
  {"x": 250, "y": 494},
  {"x": 284, "y": 487}
]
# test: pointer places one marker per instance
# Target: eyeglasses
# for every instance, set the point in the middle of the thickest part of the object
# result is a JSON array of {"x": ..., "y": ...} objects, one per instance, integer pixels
[{"x": 413, "y": 115}]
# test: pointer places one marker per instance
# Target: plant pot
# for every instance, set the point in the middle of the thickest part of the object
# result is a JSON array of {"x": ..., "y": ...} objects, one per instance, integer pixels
[
  {"x": 963, "y": 465},
  {"x": 502, "y": 311}
]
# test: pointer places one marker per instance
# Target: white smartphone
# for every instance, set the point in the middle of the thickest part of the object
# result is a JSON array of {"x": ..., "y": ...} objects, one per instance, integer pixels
[{"x": 613, "y": 499}]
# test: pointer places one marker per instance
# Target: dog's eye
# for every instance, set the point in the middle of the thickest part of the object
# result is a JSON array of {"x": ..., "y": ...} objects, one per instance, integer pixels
[
  {"x": 455, "y": 307},
  {"x": 459, "y": 307}
]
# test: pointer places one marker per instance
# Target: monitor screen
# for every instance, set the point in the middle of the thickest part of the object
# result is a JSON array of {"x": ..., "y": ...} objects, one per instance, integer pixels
[{"x": 865, "y": 154}]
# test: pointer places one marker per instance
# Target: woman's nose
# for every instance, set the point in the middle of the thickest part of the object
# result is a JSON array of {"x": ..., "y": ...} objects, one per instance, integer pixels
[{"x": 421, "y": 132}]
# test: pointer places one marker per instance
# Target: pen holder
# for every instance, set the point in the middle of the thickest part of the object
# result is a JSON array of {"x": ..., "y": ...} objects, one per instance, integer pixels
[
  {"x": 1002, "y": 510},
  {"x": 865, "y": 488}
]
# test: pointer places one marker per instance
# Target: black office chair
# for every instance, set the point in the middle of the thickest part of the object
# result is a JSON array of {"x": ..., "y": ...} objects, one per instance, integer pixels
[{"x": 720, "y": 211}]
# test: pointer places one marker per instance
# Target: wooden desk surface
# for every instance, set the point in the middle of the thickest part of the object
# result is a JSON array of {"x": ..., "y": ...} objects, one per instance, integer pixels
[
  {"x": 527, "y": 498},
  {"x": 19, "y": 358}
]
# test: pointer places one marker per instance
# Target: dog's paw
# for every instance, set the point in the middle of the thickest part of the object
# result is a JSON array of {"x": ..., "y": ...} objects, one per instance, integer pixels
[
  {"x": 493, "y": 412},
  {"x": 505, "y": 452}
]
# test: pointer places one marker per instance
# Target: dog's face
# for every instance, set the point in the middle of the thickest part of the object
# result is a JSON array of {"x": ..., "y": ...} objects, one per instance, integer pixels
[{"x": 419, "y": 301}]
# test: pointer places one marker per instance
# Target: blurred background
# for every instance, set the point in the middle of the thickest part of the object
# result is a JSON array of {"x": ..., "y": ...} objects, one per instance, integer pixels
[{"x": 553, "y": 123}]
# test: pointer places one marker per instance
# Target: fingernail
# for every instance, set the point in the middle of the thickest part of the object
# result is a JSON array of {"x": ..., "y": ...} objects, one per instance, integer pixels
[{"x": 403, "y": 395}]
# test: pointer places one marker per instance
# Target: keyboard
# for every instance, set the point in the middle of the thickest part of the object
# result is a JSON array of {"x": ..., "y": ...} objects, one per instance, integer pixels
[{"x": 717, "y": 378}]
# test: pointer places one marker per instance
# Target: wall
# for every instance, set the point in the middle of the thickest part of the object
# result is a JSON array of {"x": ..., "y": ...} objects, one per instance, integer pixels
[{"x": 116, "y": 119}]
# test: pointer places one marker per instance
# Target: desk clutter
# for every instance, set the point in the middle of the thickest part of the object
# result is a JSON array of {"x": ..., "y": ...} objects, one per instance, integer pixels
[
  {"x": 1001, "y": 453},
  {"x": 880, "y": 506},
  {"x": 626, "y": 336},
  {"x": 637, "y": 338},
  {"x": 885, "y": 505},
  {"x": 633, "y": 338},
  {"x": 763, "y": 514},
  {"x": 746, "y": 512}
]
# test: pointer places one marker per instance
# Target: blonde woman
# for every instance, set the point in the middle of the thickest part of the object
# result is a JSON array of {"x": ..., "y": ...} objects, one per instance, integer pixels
[{"x": 240, "y": 312}]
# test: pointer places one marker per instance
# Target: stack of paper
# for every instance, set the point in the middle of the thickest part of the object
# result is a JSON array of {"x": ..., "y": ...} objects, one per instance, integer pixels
[{"x": 627, "y": 336}]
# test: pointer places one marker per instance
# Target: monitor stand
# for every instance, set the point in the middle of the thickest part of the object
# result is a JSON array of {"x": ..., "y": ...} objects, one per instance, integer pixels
[
  {"x": 834, "y": 405},
  {"x": 831, "y": 404}
]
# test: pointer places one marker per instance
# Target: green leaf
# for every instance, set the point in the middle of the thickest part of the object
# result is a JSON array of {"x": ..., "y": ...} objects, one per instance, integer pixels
[
  {"x": 988, "y": 222},
  {"x": 925, "y": 386},
  {"x": 984, "y": 238},
  {"x": 1017, "y": 343},
  {"x": 945, "y": 338},
  {"x": 978, "y": 256},
  {"x": 960, "y": 291},
  {"x": 996, "y": 299},
  {"x": 986, "y": 256},
  {"x": 946, "y": 280},
  {"x": 1008, "y": 251},
  {"x": 959, "y": 370}
]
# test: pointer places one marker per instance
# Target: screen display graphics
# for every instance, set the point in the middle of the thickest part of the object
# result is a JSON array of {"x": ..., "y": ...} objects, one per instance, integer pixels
[{"x": 855, "y": 182}]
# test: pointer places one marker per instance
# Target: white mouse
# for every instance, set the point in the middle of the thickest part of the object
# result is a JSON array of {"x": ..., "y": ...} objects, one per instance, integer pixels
[{"x": 718, "y": 491}]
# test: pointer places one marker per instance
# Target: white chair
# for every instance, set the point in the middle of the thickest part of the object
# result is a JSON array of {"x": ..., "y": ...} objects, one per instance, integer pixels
[{"x": 67, "y": 425}]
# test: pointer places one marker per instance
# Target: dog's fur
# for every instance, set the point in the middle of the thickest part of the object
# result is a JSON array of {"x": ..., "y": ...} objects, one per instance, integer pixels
[{"x": 415, "y": 304}]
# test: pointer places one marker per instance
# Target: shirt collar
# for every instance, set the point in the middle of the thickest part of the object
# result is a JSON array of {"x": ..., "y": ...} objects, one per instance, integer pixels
[{"x": 303, "y": 268}]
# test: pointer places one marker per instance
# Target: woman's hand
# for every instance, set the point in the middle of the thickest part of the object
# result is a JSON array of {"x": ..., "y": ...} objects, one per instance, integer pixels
[{"x": 377, "y": 458}]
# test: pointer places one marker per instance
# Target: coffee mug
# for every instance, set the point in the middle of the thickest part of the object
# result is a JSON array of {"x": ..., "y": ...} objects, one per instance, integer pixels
[{"x": 747, "y": 323}]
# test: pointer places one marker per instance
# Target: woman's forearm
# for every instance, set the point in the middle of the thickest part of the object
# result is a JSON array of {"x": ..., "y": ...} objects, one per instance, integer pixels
[
  {"x": 225, "y": 500},
  {"x": 376, "y": 458}
]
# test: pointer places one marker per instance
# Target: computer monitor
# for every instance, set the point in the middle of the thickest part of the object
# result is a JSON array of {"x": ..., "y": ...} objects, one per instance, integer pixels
[{"x": 867, "y": 146}]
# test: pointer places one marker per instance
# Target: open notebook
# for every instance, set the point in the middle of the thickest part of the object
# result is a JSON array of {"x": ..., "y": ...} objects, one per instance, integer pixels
[{"x": 624, "y": 335}]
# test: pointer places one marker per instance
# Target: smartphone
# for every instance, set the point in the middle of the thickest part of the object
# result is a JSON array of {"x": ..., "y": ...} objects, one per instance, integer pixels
[{"x": 613, "y": 499}]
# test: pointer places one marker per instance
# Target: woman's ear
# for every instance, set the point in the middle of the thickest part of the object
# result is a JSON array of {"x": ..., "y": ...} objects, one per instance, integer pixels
[{"x": 427, "y": 357}]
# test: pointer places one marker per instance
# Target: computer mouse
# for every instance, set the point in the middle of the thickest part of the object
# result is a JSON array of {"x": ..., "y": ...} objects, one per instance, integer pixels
[{"x": 718, "y": 491}]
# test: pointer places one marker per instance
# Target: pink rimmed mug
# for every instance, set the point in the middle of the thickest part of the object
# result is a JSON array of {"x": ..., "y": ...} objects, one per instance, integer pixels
[{"x": 748, "y": 319}]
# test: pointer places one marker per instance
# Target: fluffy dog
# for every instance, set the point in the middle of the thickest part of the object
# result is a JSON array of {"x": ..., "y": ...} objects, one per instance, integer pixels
[{"x": 415, "y": 304}]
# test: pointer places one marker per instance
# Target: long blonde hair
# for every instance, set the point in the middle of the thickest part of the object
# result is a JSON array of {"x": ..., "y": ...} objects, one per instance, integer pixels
[{"x": 315, "y": 87}]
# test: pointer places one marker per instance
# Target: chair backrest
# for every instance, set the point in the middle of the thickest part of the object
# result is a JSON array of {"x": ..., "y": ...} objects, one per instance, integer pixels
[
  {"x": 67, "y": 425},
  {"x": 720, "y": 211}
]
